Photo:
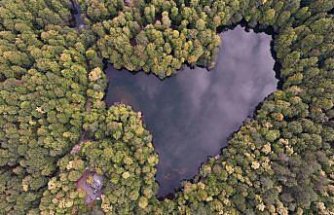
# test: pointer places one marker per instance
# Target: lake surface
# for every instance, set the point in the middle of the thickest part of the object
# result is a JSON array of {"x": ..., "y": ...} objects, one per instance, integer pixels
[{"x": 191, "y": 115}]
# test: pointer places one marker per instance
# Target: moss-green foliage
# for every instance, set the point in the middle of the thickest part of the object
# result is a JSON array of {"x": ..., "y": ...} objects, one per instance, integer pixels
[
  {"x": 125, "y": 157},
  {"x": 54, "y": 123},
  {"x": 32, "y": 15}
]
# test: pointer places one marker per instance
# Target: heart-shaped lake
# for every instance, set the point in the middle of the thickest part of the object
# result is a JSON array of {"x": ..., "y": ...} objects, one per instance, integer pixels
[{"x": 191, "y": 115}]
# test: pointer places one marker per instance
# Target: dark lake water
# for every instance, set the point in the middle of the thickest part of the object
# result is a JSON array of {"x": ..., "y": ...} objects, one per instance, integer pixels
[{"x": 191, "y": 115}]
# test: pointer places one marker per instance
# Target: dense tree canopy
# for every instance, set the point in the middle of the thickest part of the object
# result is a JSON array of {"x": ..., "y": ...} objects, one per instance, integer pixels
[{"x": 55, "y": 124}]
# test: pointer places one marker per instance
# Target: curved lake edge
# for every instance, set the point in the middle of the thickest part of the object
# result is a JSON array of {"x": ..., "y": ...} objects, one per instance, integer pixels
[
  {"x": 77, "y": 17},
  {"x": 195, "y": 178},
  {"x": 249, "y": 117},
  {"x": 258, "y": 30},
  {"x": 78, "y": 20}
]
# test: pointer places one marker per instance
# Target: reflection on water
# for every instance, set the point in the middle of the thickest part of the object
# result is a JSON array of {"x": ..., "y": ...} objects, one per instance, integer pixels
[{"x": 192, "y": 114}]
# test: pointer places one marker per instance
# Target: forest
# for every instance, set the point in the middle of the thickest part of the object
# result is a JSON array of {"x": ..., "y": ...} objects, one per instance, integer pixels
[{"x": 55, "y": 126}]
